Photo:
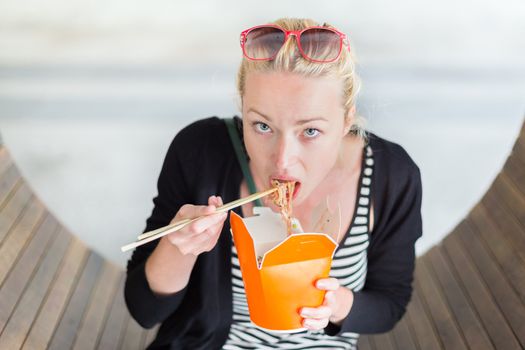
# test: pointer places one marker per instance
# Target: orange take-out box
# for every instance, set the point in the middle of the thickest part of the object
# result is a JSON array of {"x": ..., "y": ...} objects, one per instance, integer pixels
[{"x": 280, "y": 271}]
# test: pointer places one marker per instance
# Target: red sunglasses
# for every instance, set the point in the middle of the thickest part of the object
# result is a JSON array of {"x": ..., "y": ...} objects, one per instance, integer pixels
[{"x": 317, "y": 44}]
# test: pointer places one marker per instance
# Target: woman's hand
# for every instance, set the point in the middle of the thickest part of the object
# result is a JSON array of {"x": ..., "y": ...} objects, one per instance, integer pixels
[
  {"x": 201, "y": 235},
  {"x": 336, "y": 305},
  {"x": 169, "y": 267}
]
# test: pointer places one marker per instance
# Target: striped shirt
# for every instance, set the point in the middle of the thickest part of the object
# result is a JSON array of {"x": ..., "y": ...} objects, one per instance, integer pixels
[{"x": 349, "y": 266}]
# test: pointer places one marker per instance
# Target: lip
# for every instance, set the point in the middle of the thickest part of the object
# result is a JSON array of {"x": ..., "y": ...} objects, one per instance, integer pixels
[{"x": 288, "y": 178}]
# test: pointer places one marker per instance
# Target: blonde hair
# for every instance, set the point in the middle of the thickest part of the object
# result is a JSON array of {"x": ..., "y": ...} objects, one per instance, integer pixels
[{"x": 290, "y": 60}]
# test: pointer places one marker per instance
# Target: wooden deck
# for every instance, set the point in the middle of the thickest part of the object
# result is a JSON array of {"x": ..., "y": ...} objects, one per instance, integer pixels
[
  {"x": 469, "y": 290},
  {"x": 54, "y": 292}
]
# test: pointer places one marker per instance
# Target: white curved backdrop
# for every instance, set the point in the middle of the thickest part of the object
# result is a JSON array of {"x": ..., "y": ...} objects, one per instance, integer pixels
[{"x": 91, "y": 95}]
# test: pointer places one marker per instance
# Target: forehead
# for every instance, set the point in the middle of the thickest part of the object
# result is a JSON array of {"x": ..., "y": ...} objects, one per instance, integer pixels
[{"x": 287, "y": 94}]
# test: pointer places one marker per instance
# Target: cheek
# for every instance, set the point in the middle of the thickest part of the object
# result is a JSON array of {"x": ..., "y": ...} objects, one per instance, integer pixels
[
  {"x": 257, "y": 151},
  {"x": 319, "y": 160}
]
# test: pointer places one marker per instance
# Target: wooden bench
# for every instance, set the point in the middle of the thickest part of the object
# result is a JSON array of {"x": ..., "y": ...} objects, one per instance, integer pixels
[{"x": 469, "y": 290}]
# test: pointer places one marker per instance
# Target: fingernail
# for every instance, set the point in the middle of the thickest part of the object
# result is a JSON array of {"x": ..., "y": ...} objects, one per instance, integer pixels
[{"x": 321, "y": 284}]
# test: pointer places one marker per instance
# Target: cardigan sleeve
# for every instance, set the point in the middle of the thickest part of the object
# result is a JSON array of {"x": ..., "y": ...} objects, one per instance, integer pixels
[
  {"x": 391, "y": 258},
  {"x": 146, "y": 307}
]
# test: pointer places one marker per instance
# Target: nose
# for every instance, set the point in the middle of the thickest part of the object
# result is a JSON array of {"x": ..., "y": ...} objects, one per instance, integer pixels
[{"x": 285, "y": 152}]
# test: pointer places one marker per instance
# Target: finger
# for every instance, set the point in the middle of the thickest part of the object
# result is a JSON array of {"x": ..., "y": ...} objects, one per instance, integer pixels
[
  {"x": 213, "y": 237},
  {"x": 315, "y": 324},
  {"x": 209, "y": 237},
  {"x": 329, "y": 300},
  {"x": 217, "y": 201},
  {"x": 189, "y": 211},
  {"x": 204, "y": 241},
  {"x": 218, "y": 227},
  {"x": 204, "y": 238},
  {"x": 327, "y": 284},
  {"x": 213, "y": 200},
  {"x": 316, "y": 312},
  {"x": 206, "y": 222},
  {"x": 213, "y": 223},
  {"x": 185, "y": 211},
  {"x": 184, "y": 242}
]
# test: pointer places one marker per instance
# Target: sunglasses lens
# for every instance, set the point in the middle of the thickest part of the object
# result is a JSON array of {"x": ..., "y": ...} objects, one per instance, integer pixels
[
  {"x": 263, "y": 43},
  {"x": 321, "y": 44}
]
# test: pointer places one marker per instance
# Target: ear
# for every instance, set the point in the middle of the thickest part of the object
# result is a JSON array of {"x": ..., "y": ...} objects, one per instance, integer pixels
[{"x": 349, "y": 119}]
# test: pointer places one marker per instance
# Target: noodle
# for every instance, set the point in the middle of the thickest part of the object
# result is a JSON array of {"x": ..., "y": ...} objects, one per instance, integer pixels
[{"x": 283, "y": 199}]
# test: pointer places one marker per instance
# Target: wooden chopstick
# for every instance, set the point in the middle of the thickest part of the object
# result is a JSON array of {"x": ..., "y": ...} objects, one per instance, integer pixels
[
  {"x": 163, "y": 231},
  {"x": 223, "y": 208}
]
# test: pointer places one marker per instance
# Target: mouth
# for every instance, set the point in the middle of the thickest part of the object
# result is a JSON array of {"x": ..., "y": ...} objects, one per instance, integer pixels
[{"x": 297, "y": 184}]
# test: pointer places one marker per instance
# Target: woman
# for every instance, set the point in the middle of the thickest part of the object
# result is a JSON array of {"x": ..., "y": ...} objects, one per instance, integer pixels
[{"x": 297, "y": 86}]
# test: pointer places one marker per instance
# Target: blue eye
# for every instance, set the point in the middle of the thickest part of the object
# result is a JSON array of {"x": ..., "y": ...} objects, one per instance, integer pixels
[
  {"x": 262, "y": 127},
  {"x": 311, "y": 132}
]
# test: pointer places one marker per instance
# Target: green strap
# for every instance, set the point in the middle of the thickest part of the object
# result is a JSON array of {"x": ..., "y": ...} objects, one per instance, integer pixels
[{"x": 241, "y": 157}]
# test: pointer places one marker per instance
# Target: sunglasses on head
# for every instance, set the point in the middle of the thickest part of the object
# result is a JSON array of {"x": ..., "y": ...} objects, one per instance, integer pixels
[{"x": 317, "y": 44}]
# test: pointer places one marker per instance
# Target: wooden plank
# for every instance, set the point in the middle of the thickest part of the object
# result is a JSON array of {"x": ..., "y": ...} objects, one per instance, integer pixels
[
  {"x": 16, "y": 282},
  {"x": 383, "y": 341},
  {"x": 12, "y": 211},
  {"x": 511, "y": 196},
  {"x": 364, "y": 343},
  {"x": 424, "y": 331},
  {"x": 402, "y": 335},
  {"x": 468, "y": 322},
  {"x": 65, "y": 334},
  {"x": 5, "y": 160},
  {"x": 519, "y": 148},
  {"x": 118, "y": 319},
  {"x": 493, "y": 321},
  {"x": 19, "y": 236},
  {"x": 504, "y": 253},
  {"x": 514, "y": 168},
  {"x": 482, "y": 275},
  {"x": 21, "y": 320},
  {"x": 439, "y": 310},
  {"x": 57, "y": 298},
  {"x": 97, "y": 311},
  {"x": 134, "y": 336},
  {"x": 9, "y": 180},
  {"x": 151, "y": 334},
  {"x": 509, "y": 227}
]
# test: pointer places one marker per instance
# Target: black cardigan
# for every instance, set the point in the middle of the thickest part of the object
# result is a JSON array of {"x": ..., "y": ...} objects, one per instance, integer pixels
[{"x": 201, "y": 162}]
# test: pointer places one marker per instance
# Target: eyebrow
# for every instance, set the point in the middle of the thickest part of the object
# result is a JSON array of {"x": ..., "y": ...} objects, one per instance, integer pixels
[
  {"x": 299, "y": 122},
  {"x": 259, "y": 113}
]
